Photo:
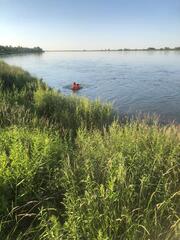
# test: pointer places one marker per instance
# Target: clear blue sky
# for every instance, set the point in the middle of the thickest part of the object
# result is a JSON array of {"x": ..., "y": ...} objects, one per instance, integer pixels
[{"x": 90, "y": 24}]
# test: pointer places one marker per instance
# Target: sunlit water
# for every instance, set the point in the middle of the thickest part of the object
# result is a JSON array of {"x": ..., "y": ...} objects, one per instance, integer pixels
[{"x": 135, "y": 82}]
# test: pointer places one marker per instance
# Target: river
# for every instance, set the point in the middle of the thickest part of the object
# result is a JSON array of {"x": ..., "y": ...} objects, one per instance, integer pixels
[{"x": 133, "y": 81}]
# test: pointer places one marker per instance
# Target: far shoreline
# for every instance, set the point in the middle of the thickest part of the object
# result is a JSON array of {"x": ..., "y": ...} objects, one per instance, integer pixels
[{"x": 114, "y": 50}]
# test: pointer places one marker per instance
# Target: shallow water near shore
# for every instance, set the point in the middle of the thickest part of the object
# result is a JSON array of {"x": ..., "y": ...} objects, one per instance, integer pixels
[{"x": 135, "y": 82}]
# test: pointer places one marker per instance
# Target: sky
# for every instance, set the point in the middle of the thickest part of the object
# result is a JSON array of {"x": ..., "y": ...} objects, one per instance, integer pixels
[{"x": 90, "y": 24}]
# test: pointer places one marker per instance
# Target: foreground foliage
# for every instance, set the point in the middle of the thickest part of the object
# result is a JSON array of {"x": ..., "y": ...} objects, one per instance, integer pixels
[
  {"x": 69, "y": 171},
  {"x": 123, "y": 183}
]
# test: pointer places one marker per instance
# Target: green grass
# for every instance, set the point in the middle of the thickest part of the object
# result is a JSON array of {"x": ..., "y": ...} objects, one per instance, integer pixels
[
  {"x": 70, "y": 170},
  {"x": 123, "y": 183},
  {"x": 70, "y": 113}
]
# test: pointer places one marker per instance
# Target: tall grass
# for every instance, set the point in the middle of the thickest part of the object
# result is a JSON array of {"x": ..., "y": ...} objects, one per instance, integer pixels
[
  {"x": 72, "y": 112},
  {"x": 123, "y": 183},
  {"x": 14, "y": 77},
  {"x": 29, "y": 175},
  {"x": 69, "y": 171}
]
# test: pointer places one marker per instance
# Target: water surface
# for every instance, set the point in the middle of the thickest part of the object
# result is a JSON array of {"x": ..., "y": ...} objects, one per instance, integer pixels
[{"x": 135, "y": 82}]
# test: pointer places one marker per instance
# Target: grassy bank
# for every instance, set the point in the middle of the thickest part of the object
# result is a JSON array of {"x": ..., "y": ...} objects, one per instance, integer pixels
[{"x": 70, "y": 170}]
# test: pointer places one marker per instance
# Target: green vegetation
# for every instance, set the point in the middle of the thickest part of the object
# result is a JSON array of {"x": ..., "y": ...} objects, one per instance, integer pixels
[
  {"x": 70, "y": 170},
  {"x": 19, "y": 50}
]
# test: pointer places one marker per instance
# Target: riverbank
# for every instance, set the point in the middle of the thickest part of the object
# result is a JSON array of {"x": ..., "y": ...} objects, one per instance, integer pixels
[{"x": 70, "y": 170}]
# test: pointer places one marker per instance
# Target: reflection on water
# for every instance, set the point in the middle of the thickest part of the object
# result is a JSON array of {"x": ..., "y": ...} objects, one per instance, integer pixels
[{"x": 147, "y": 82}]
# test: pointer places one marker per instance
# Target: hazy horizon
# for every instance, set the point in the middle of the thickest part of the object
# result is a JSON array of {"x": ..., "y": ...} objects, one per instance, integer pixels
[
  {"x": 108, "y": 49},
  {"x": 94, "y": 25}
]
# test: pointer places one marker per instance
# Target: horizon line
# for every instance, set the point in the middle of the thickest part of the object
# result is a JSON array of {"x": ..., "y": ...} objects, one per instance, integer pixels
[{"x": 110, "y": 50}]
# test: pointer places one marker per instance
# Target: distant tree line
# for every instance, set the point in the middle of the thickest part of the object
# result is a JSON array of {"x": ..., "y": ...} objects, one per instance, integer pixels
[
  {"x": 138, "y": 49},
  {"x": 123, "y": 49},
  {"x": 151, "y": 49},
  {"x": 18, "y": 50}
]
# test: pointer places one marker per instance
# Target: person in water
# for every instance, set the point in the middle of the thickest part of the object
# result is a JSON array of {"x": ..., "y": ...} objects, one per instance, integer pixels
[{"x": 75, "y": 86}]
